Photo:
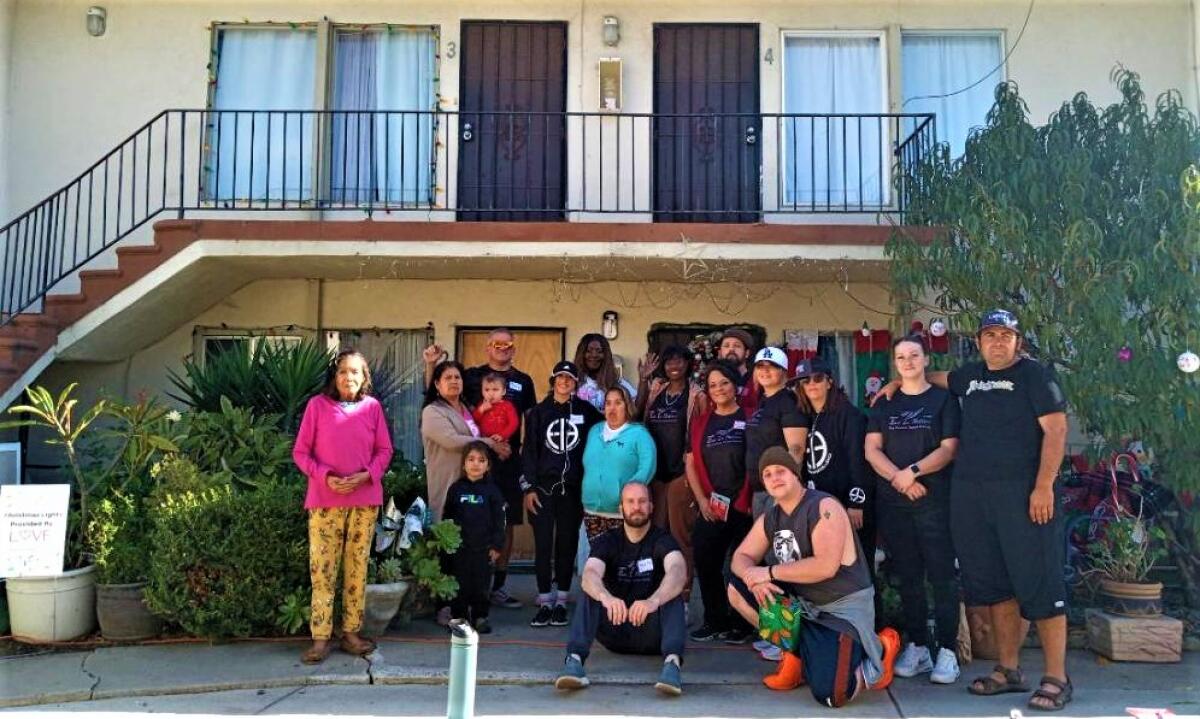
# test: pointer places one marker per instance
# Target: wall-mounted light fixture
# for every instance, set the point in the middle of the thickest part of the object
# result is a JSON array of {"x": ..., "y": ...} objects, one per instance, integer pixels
[
  {"x": 97, "y": 20},
  {"x": 608, "y": 327},
  {"x": 612, "y": 30}
]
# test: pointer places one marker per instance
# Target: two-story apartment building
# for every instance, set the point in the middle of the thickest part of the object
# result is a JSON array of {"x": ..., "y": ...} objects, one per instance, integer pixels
[{"x": 180, "y": 174}]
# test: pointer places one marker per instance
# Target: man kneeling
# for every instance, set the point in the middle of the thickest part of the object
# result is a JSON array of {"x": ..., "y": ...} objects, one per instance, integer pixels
[
  {"x": 812, "y": 557},
  {"x": 631, "y": 596}
]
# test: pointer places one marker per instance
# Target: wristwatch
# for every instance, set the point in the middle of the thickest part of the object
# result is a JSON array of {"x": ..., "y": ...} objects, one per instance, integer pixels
[
  {"x": 915, "y": 469},
  {"x": 771, "y": 572}
]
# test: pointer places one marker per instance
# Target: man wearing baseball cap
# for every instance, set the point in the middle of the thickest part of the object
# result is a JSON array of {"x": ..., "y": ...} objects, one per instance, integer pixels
[
  {"x": 804, "y": 552},
  {"x": 1003, "y": 517},
  {"x": 555, "y": 433},
  {"x": 775, "y": 422}
]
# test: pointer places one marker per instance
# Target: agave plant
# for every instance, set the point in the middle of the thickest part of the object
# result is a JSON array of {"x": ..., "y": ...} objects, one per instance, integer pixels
[{"x": 270, "y": 379}]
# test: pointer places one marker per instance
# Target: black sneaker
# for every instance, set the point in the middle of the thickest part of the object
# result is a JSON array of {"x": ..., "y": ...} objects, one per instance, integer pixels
[
  {"x": 483, "y": 626},
  {"x": 707, "y": 633},
  {"x": 558, "y": 617},
  {"x": 737, "y": 635},
  {"x": 542, "y": 618}
]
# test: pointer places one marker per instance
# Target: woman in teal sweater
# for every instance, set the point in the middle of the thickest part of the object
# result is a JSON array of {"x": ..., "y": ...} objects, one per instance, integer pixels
[{"x": 617, "y": 452}]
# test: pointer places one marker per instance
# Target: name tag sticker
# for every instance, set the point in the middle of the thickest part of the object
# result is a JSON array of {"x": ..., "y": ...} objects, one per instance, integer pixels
[
  {"x": 514, "y": 386},
  {"x": 576, "y": 419},
  {"x": 739, "y": 424},
  {"x": 645, "y": 565}
]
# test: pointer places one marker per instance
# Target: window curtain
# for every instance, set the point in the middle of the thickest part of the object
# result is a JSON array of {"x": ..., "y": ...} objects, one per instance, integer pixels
[
  {"x": 384, "y": 157},
  {"x": 259, "y": 156},
  {"x": 834, "y": 162},
  {"x": 940, "y": 63}
]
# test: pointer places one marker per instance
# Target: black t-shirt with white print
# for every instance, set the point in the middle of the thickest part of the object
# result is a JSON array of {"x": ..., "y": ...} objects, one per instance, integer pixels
[
  {"x": 912, "y": 426},
  {"x": 633, "y": 570},
  {"x": 1001, "y": 439},
  {"x": 764, "y": 429},
  {"x": 666, "y": 421},
  {"x": 723, "y": 449}
]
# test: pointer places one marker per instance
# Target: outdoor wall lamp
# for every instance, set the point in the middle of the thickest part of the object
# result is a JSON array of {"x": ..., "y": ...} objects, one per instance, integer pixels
[
  {"x": 97, "y": 20},
  {"x": 608, "y": 327},
  {"x": 612, "y": 30}
]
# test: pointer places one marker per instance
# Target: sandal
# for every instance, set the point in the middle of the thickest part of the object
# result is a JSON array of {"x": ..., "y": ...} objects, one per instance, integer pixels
[
  {"x": 986, "y": 685},
  {"x": 1057, "y": 700},
  {"x": 360, "y": 649},
  {"x": 312, "y": 655}
]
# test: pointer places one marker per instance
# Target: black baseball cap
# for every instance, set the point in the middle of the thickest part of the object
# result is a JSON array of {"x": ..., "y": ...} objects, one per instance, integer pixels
[
  {"x": 998, "y": 318},
  {"x": 566, "y": 367},
  {"x": 808, "y": 367}
]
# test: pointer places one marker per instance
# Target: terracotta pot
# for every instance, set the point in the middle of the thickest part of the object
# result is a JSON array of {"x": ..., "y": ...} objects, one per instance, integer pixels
[
  {"x": 382, "y": 603},
  {"x": 123, "y": 615},
  {"x": 1129, "y": 599}
]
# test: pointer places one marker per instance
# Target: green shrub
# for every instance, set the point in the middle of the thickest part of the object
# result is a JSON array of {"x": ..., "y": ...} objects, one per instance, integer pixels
[
  {"x": 247, "y": 446},
  {"x": 222, "y": 561},
  {"x": 119, "y": 535},
  {"x": 404, "y": 482},
  {"x": 177, "y": 474}
]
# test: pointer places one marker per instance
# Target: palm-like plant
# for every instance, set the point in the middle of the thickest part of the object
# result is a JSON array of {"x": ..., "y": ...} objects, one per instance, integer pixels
[{"x": 57, "y": 414}]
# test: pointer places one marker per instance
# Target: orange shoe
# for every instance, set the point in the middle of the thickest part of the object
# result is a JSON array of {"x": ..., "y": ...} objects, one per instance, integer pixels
[
  {"x": 890, "y": 639},
  {"x": 789, "y": 676}
]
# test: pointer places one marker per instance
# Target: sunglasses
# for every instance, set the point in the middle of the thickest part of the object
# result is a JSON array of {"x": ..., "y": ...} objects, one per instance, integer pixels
[
  {"x": 501, "y": 345},
  {"x": 817, "y": 378}
]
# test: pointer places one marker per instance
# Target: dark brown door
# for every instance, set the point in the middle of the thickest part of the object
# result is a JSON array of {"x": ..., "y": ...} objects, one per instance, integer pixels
[
  {"x": 707, "y": 131},
  {"x": 511, "y": 129}
]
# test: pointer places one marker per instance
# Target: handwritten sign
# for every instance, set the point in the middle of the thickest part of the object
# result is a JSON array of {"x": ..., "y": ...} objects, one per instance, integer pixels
[{"x": 33, "y": 529}]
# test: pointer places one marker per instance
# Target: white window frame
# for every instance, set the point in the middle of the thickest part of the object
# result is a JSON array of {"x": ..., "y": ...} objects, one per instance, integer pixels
[
  {"x": 201, "y": 335},
  {"x": 887, "y": 140},
  {"x": 999, "y": 33}
]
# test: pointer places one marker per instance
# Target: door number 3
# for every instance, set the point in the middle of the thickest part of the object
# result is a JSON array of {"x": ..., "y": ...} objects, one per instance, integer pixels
[{"x": 451, "y": 49}]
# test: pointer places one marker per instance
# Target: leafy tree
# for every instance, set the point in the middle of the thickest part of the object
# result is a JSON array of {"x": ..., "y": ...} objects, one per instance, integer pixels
[{"x": 1088, "y": 227}]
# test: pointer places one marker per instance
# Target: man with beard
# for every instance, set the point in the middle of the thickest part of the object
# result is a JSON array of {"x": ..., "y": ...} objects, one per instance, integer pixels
[
  {"x": 631, "y": 596},
  {"x": 506, "y": 467},
  {"x": 736, "y": 349}
]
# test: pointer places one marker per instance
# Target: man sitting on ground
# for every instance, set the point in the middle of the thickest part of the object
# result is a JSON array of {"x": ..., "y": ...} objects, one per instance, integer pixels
[
  {"x": 631, "y": 596},
  {"x": 812, "y": 556}
]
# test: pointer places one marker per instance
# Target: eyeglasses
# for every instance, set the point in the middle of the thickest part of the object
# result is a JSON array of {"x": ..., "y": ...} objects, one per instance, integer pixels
[
  {"x": 501, "y": 345},
  {"x": 817, "y": 378}
]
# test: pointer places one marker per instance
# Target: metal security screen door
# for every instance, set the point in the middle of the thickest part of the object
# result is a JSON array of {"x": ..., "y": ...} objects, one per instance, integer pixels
[
  {"x": 707, "y": 132},
  {"x": 512, "y": 122}
]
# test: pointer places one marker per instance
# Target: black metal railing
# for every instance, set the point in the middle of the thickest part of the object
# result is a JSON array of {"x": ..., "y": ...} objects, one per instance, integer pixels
[{"x": 463, "y": 165}]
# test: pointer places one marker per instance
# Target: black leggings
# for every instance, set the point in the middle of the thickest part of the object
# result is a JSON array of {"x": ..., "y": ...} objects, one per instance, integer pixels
[
  {"x": 556, "y": 539},
  {"x": 711, "y": 544},
  {"x": 918, "y": 542}
]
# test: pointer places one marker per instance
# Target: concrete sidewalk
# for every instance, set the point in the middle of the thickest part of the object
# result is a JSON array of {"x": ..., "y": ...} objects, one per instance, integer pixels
[{"x": 516, "y": 666}]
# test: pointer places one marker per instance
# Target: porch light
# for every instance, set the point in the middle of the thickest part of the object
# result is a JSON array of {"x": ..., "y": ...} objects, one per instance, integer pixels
[
  {"x": 97, "y": 20},
  {"x": 612, "y": 30},
  {"x": 608, "y": 327}
]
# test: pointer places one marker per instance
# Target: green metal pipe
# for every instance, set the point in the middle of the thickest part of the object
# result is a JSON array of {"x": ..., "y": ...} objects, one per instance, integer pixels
[{"x": 464, "y": 646}]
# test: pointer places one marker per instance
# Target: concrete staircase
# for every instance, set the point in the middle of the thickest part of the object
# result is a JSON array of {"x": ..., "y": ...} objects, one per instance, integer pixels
[{"x": 29, "y": 336}]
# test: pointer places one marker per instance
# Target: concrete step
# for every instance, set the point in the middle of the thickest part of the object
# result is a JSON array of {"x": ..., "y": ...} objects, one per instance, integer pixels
[{"x": 102, "y": 284}]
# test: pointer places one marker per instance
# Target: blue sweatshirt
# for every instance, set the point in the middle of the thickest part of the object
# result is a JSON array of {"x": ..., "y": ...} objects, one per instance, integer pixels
[{"x": 609, "y": 466}]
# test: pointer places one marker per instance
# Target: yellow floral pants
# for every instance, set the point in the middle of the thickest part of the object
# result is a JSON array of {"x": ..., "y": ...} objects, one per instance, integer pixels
[{"x": 339, "y": 536}]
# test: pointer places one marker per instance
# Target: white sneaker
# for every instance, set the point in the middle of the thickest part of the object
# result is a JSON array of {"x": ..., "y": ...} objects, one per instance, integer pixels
[
  {"x": 946, "y": 670},
  {"x": 913, "y": 660},
  {"x": 771, "y": 653},
  {"x": 762, "y": 645}
]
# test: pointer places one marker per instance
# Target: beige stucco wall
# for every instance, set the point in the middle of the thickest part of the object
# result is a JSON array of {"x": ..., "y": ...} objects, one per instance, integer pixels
[
  {"x": 74, "y": 97},
  {"x": 410, "y": 304},
  {"x": 7, "y": 8}
]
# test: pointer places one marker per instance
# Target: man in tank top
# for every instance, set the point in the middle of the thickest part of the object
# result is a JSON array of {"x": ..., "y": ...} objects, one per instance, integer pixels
[{"x": 804, "y": 550}]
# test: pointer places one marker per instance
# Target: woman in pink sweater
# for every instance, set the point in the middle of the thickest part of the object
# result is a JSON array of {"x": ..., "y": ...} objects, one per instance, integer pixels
[{"x": 344, "y": 448}]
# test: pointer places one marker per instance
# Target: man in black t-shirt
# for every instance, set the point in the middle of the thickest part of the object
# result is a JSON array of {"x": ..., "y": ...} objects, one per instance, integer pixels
[
  {"x": 506, "y": 469},
  {"x": 631, "y": 596},
  {"x": 775, "y": 422},
  {"x": 1006, "y": 530}
]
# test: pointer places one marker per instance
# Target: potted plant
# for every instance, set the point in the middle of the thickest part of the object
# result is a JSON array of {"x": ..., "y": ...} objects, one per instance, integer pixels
[
  {"x": 386, "y": 588},
  {"x": 1122, "y": 555},
  {"x": 60, "y": 606},
  {"x": 419, "y": 567},
  {"x": 119, "y": 534}
]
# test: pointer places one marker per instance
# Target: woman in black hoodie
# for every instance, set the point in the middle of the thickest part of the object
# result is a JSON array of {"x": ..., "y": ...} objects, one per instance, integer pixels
[
  {"x": 835, "y": 458},
  {"x": 555, "y": 431}
]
